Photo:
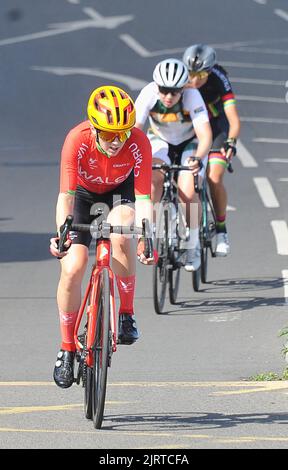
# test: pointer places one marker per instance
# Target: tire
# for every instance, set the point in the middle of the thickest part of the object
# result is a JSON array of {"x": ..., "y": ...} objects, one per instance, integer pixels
[
  {"x": 88, "y": 393},
  {"x": 160, "y": 272},
  {"x": 174, "y": 282},
  {"x": 196, "y": 275},
  {"x": 101, "y": 350},
  {"x": 204, "y": 264}
]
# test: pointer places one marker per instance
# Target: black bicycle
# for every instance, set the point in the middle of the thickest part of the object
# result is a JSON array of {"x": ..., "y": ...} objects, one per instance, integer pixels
[
  {"x": 207, "y": 228},
  {"x": 171, "y": 229}
]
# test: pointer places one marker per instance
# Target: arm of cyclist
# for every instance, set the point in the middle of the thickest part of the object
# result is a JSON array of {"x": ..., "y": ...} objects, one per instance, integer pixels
[
  {"x": 234, "y": 130},
  {"x": 143, "y": 204},
  {"x": 204, "y": 136},
  {"x": 68, "y": 184},
  {"x": 65, "y": 205},
  {"x": 144, "y": 210}
]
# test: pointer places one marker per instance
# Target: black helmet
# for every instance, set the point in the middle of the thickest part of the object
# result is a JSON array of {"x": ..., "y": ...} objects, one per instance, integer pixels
[{"x": 199, "y": 57}]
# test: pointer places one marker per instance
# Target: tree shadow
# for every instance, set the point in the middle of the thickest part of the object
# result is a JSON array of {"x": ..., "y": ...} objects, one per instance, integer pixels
[
  {"x": 23, "y": 246},
  {"x": 30, "y": 164}
]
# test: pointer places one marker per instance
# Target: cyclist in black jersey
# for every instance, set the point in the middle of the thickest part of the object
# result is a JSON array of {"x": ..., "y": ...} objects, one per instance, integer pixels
[{"x": 214, "y": 85}]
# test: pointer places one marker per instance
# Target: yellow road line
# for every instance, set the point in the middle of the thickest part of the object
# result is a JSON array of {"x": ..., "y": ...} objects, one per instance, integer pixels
[
  {"x": 241, "y": 387},
  {"x": 160, "y": 434},
  {"x": 32, "y": 409},
  {"x": 264, "y": 384},
  {"x": 27, "y": 384}
]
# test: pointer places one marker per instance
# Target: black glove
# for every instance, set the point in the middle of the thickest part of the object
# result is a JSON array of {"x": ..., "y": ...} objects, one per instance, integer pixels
[{"x": 231, "y": 144}]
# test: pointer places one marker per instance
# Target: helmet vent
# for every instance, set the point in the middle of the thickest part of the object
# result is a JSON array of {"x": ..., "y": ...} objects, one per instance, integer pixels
[
  {"x": 117, "y": 114},
  {"x": 109, "y": 116},
  {"x": 125, "y": 117}
]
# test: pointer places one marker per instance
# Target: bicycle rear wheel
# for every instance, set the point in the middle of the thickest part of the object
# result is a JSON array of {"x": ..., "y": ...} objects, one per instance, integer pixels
[
  {"x": 160, "y": 273},
  {"x": 101, "y": 350}
]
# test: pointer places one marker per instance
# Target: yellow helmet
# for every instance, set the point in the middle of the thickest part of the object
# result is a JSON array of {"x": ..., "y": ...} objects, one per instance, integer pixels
[{"x": 111, "y": 109}]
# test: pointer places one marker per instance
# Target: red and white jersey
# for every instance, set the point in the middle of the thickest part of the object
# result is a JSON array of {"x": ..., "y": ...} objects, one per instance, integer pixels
[{"x": 83, "y": 164}]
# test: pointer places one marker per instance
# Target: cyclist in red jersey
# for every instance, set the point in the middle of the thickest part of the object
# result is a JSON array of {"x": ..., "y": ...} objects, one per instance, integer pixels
[{"x": 105, "y": 161}]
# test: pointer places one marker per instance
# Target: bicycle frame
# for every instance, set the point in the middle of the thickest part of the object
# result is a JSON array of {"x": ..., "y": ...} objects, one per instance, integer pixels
[
  {"x": 207, "y": 232},
  {"x": 102, "y": 260}
]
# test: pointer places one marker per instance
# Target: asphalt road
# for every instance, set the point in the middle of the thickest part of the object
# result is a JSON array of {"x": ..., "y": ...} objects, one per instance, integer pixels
[{"x": 186, "y": 382}]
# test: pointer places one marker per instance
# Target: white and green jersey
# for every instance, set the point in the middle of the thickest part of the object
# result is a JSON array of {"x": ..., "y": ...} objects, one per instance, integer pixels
[{"x": 176, "y": 124}]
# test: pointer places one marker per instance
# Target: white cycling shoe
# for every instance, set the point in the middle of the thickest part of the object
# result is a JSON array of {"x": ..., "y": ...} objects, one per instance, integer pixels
[
  {"x": 222, "y": 244},
  {"x": 193, "y": 259}
]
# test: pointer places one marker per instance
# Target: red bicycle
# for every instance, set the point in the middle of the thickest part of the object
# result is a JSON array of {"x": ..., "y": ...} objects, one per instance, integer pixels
[{"x": 97, "y": 343}]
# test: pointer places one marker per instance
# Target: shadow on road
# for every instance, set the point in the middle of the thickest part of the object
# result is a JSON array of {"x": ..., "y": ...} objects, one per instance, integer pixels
[
  {"x": 192, "y": 421},
  {"x": 236, "y": 302},
  {"x": 243, "y": 284},
  {"x": 24, "y": 247},
  {"x": 228, "y": 305},
  {"x": 20, "y": 246}
]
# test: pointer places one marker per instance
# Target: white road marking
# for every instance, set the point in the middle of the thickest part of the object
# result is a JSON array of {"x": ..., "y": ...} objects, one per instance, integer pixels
[
  {"x": 257, "y": 81},
  {"x": 280, "y": 231},
  {"x": 266, "y": 192},
  {"x": 142, "y": 51},
  {"x": 135, "y": 45},
  {"x": 276, "y": 160},
  {"x": 264, "y": 99},
  {"x": 270, "y": 140},
  {"x": 261, "y": 2},
  {"x": 257, "y": 50},
  {"x": 263, "y": 120},
  {"x": 283, "y": 14},
  {"x": 285, "y": 284},
  {"x": 97, "y": 21},
  {"x": 224, "y": 317},
  {"x": 131, "y": 82},
  {"x": 245, "y": 157},
  {"x": 283, "y": 180},
  {"x": 252, "y": 65}
]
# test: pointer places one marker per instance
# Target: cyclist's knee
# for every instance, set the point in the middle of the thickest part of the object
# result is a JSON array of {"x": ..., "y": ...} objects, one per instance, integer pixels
[
  {"x": 157, "y": 178},
  {"x": 73, "y": 267},
  {"x": 215, "y": 174}
]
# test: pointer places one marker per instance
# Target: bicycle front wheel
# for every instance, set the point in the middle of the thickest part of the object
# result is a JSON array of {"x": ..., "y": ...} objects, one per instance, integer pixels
[
  {"x": 101, "y": 350},
  {"x": 88, "y": 391},
  {"x": 174, "y": 282},
  {"x": 160, "y": 273}
]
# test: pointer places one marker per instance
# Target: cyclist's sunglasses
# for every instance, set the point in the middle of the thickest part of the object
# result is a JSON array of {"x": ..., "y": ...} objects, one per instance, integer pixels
[
  {"x": 202, "y": 74},
  {"x": 110, "y": 136},
  {"x": 165, "y": 91}
]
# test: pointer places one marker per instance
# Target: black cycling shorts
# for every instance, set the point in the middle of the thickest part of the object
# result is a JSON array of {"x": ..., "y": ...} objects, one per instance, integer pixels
[
  {"x": 87, "y": 203},
  {"x": 220, "y": 129}
]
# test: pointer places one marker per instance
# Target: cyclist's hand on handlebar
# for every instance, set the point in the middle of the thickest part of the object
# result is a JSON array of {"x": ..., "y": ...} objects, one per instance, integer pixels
[
  {"x": 229, "y": 148},
  {"x": 54, "y": 247},
  {"x": 140, "y": 254},
  {"x": 195, "y": 165},
  {"x": 229, "y": 153}
]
